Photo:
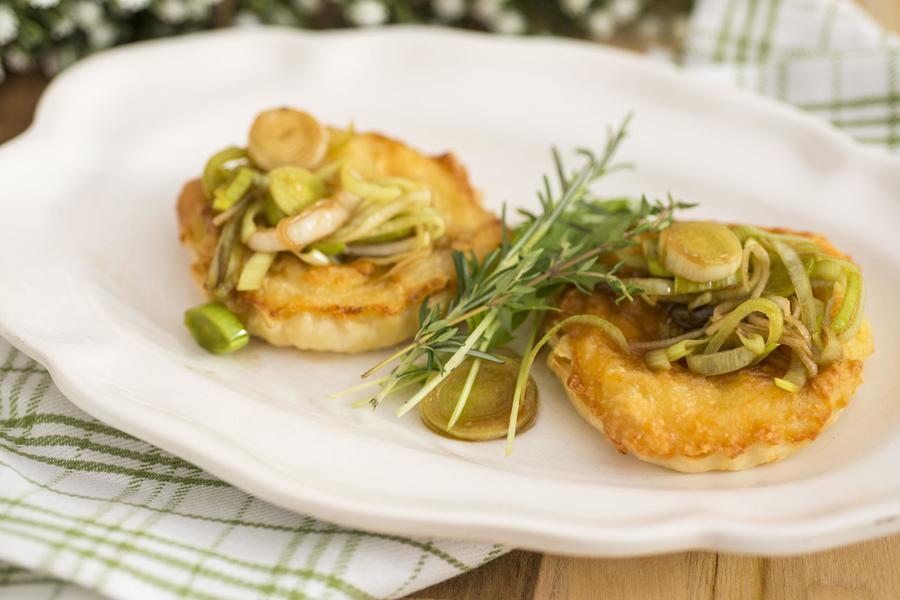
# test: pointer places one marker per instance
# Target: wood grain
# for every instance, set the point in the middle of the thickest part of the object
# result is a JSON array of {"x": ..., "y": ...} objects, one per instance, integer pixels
[
  {"x": 18, "y": 96},
  {"x": 863, "y": 571}
]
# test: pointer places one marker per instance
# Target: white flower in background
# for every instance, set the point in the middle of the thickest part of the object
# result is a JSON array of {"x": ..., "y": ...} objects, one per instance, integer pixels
[
  {"x": 367, "y": 13},
  {"x": 509, "y": 22},
  {"x": 133, "y": 5},
  {"x": 86, "y": 14},
  {"x": 308, "y": 6},
  {"x": 601, "y": 24},
  {"x": 62, "y": 27},
  {"x": 575, "y": 8},
  {"x": 624, "y": 11},
  {"x": 172, "y": 11},
  {"x": 103, "y": 35},
  {"x": 488, "y": 10},
  {"x": 449, "y": 10},
  {"x": 43, "y": 3},
  {"x": 9, "y": 25}
]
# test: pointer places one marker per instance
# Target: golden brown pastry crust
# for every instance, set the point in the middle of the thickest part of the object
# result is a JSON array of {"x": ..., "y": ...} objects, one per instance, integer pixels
[
  {"x": 685, "y": 421},
  {"x": 355, "y": 306}
]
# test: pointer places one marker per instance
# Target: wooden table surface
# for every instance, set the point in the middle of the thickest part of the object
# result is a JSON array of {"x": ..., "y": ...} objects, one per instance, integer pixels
[{"x": 864, "y": 571}]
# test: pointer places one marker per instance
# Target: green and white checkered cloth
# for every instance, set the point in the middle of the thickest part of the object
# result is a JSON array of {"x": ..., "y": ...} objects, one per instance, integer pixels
[
  {"x": 825, "y": 56},
  {"x": 82, "y": 503}
]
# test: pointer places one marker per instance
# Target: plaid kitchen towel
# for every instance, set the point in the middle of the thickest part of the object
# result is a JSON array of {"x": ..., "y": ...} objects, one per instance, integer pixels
[
  {"x": 824, "y": 56},
  {"x": 82, "y": 503}
]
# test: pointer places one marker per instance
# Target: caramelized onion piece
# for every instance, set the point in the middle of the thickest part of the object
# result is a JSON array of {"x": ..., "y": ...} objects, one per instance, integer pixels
[
  {"x": 316, "y": 222},
  {"x": 286, "y": 137}
]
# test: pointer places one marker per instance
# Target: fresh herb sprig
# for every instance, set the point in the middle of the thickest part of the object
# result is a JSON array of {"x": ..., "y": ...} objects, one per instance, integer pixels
[{"x": 495, "y": 296}]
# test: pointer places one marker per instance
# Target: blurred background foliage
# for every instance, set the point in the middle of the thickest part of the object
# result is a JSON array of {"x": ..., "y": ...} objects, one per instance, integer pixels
[{"x": 48, "y": 35}]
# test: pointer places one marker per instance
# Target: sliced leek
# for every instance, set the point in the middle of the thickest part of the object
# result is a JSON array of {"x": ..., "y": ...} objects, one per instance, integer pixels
[
  {"x": 849, "y": 304},
  {"x": 685, "y": 348},
  {"x": 225, "y": 198},
  {"x": 657, "y": 360},
  {"x": 700, "y": 251},
  {"x": 753, "y": 342},
  {"x": 368, "y": 190},
  {"x": 800, "y": 280},
  {"x": 728, "y": 325},
  {"x": 485, "y": 415},
  {"x": 284, "y": 136},
  {"x": 273, "y": 214},
  {"x": 652, "y": 286},
  {"x": 214, "y": 174},
  {"x": 248, "y": 223},
  {"x": 777, "y": 290},
  {"x": 254, "y": 271},
  {"x": 684, "y": 286},
  {"x": 795, "y": 378},
  {"x": 651, "y": 255},
  {"x": 719, "y": 363},
  {"x": 293, "y": 189},
  {"x": 215, "y": 328}
]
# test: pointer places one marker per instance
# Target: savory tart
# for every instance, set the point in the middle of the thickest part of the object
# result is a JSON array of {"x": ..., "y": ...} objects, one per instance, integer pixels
[
  {"x": 326, "y": 239},
  {"x": 744, "y": 345}
]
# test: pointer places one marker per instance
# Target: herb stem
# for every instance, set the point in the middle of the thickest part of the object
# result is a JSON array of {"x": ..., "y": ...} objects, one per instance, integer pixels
[{"x": 454, "y": 362}]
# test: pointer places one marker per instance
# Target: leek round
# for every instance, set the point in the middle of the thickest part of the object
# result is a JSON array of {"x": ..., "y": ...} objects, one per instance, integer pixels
[
  {"x": 700, "y": 251},
  {"x": 284, "y": 136},
  {"x": 486, "y": 413}
]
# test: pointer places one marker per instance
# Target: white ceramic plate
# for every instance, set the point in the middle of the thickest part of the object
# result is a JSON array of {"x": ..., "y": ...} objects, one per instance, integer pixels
[{"x": 95, "y": 282}]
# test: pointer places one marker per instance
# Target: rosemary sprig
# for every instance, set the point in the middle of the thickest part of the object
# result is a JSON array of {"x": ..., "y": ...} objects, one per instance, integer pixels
[{"x": 558, "y": 246}]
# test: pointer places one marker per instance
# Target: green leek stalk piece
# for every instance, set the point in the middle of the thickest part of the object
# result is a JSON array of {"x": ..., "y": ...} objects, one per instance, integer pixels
[
  {"x": 223, "y": 199},
  {"x": 657, "y": 360},
  {"x": 719, "y": 363},
  {"x": 329, "y": 248},
  {"x": 728, "y": 325},
  {"x": 832, "y": 351},
  {"x": 802, "y": 287},
  {"x": 248, "y": 223},
  {"x": 353, "y": 183},
  {"x": 215, "y": 328},
  {"x": 685, "y": 348},
  {"x": 795, "y": 377},
  {"x": 753, "y": 342},
  {"x": 214, "y": 174},
  {"x": 293, "y": 189},
  {"x": 254, "y": 271},
  {"x": 270, "y": 210},
  {"x": 651, "y": 254},
  {"x": 849, "y": 304},
  {"x": 386, "y": 237},
  {"x": 226, "y": 260}
]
